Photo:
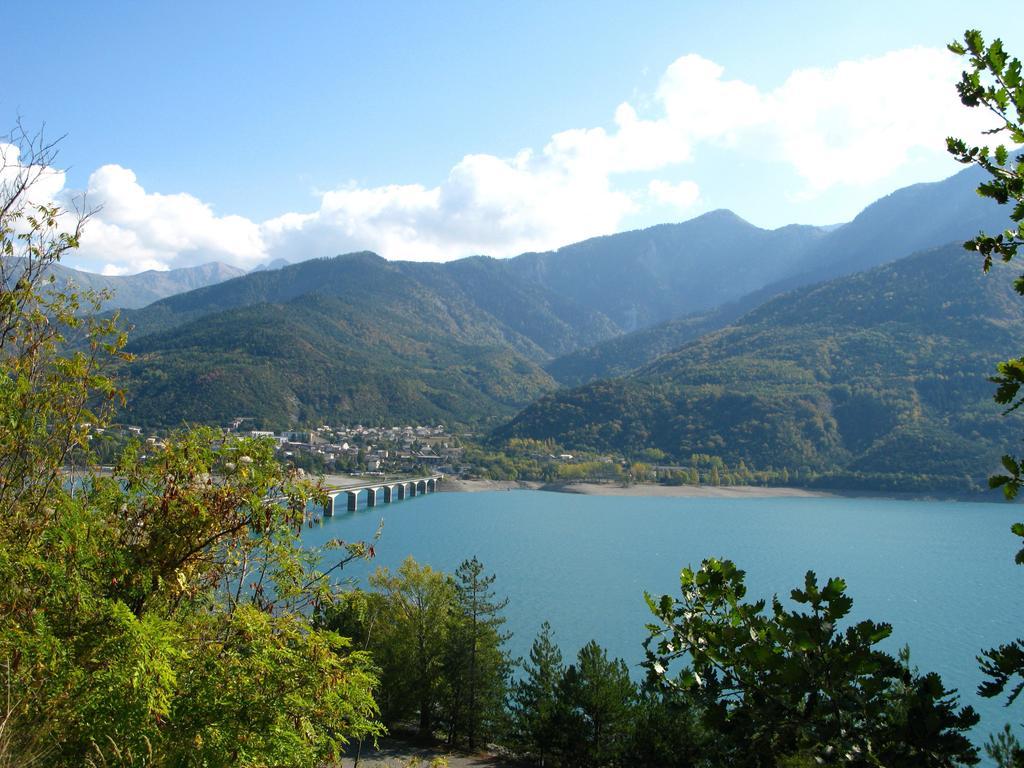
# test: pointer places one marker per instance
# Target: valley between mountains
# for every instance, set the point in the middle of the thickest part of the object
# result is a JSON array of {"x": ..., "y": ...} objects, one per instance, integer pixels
[{"x": 855, "y": 355}]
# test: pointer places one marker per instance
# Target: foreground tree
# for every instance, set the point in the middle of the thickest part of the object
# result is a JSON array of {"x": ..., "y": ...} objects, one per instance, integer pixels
[
  {"x": 994, "y": 82},
  {"x": 595, "y": 697},
  {"x": 477, "y": 667},
  {"x": 786, "y": 685},
  {"x": 534, "y": 702},
  {"x": 408, "y": 637},
  {"x": 158, "y": 616},
  {"x": 669, "y": 730}
]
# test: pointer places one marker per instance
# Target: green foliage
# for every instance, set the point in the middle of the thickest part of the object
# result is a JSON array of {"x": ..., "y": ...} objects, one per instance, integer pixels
[
  {"x": 164, "y": 610},
  {"x": 408, "y": 636},
  {"x": 534, "y": 703},
  {"x": 669, "y": 730},
  {"x": 1004, "y": 666},
  {"x": 439, "y": 646},
  {"x": 592, "y": 714},
  {"x": 477, "y": 667},
  {"x": 158, "y": 615},
  {"x": 596, "y": 699},
  {"x": 267, "y": 690},
  {"x": 518, "y": 459},
  {"x": 591, "y": 470},
  {"x": 785, "y": 684},
  {"x": 1004, "y": 749},
  {"x": 993, "y": 82}
]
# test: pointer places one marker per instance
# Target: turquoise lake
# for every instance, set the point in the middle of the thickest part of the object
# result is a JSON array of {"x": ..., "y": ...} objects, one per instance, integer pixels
[{"x": 941, "y": 573}]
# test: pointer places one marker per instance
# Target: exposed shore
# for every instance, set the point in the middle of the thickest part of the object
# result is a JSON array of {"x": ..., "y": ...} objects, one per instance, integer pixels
[
  {"x": 457, "y": 485},
  {"x": 475, "y": 486},
  {"x": 638, "y": 489}
]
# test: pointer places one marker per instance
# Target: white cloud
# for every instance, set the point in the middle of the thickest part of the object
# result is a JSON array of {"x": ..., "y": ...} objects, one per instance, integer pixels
[
  {"x": 848, "y": 125},
  {"x": 681, "y": 196},
  {"x": 134, "y": 230},
  {"x": 46, "y": 182},
  {"x": 486, "y": 205},
  {"x": 852, "y": 124},
  {"x": 857, "y": 122},
  {"x": 700, "y": 105}
]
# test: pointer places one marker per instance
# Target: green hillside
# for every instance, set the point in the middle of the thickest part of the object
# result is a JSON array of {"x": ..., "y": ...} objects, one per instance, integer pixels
[
  {"x": 555, "y": 323},
  {"x": 347, "y": 339},
  {"x": 619, "y": 355},
  {"x": 878, "y": 378},
  {"x": 359, "y": 338},
  {"x": 911, "y": 219},
  {"x": 647, "y": 276}
]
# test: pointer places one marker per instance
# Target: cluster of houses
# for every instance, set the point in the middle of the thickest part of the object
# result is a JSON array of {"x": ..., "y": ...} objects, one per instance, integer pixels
[
  {"x": 353, "y": 449},
  {"x": 369, "y": 449}
]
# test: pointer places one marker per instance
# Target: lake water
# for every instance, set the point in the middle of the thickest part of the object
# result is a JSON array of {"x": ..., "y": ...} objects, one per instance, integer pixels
[{"x": 941, "y": 573}]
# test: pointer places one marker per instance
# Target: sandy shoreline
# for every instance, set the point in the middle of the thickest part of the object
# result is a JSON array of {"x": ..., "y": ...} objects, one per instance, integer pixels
[
  {"x": 457, "y": 485},
  {"x": 640, "y": 489}
]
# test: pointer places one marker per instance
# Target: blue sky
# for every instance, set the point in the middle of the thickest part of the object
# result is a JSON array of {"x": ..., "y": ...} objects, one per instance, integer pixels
[{"x": 247, "y": 131}]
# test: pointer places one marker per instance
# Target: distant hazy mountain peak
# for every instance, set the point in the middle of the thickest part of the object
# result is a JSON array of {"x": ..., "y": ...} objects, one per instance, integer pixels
[
  {"x": 133, "y": 291},
  {"x": 724, "y": 215},
  {"x": 271, "y": 265}
]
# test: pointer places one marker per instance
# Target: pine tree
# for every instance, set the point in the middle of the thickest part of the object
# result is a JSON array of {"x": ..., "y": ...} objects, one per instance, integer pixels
[
  {"x": 535, "y": 698},
  {"x": 477, "y": 667},
  {"x": 596, "y": 699}
]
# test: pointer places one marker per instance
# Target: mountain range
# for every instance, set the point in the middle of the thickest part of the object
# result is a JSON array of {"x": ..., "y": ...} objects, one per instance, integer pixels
[
  {"x": 709, "y": 305},
  {"x": 353, "y": 338},
  {"x": 133, "y": 291},
  {"x": 908, "y": 220},
  {"x": 876, "y": 379}
]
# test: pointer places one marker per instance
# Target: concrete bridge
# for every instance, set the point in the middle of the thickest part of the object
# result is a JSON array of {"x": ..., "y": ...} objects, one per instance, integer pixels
[{"x": 386, "y": 492}]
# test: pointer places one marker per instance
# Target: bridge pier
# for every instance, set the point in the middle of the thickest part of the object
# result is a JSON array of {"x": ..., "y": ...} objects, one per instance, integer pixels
[{"x": 380, "y": 494}]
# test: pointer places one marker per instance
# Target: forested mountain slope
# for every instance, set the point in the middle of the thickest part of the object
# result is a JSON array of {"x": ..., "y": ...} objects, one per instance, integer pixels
[
  {"x": 348, "y": 339},
  {"x": 877, "y": 377},
  {"x": 911, "y": 219},
  {"x": 486, "y": 303},
  {"x": 620, "y": 355},
  {"x": 369, "y": 339},
  {"x": 644, "y": 277}
]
